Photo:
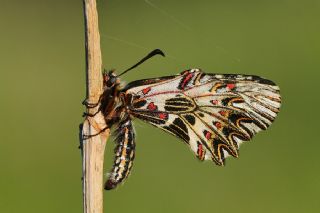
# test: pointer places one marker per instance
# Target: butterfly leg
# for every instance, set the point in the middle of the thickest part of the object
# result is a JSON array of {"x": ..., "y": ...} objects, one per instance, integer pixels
[
  {"x": 85, "y": 114},
  {"x": 86, "y": 137},
  {"x": 91, "y": 105}
]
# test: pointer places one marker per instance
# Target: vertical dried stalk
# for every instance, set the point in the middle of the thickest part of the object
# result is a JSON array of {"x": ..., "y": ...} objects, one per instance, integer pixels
[{"x": 93, "y": 147}]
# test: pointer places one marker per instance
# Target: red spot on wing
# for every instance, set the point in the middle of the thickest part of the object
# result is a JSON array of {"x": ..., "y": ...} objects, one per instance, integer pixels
[
  {"x": 207, "y": 134},
  {"x": 163, "y": 115},
  {"x": 231, "y": 86},
  {"x": 214, "y": 102},
  {"x": 146, "y": 90},
  {"x": 200, "y": 151},
  {"x": 222, "y": 112},
  {"x": 152, "y": 107},
  {"x": 218, "y": 125},
  {"x": 186, "y": 80}
]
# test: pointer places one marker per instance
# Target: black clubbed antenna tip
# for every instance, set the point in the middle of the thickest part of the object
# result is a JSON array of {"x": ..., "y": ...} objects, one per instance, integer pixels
[
  {"x": 157, "y": 52},
  {"x": 150, "y": 55}
]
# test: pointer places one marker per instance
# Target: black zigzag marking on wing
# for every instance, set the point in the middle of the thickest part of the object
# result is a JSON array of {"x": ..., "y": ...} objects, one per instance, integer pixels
[
  {"x": 240, "y": 113},
  {"x": 204, "y": 143},
  {"x": 219, "y": 142},
  {"x": 228, "y": 127},
  {"x": 233, "y": 121}
]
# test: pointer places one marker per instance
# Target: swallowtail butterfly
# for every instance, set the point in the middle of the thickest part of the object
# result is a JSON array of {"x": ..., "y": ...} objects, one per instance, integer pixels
[{"x": 211, "y": 113}]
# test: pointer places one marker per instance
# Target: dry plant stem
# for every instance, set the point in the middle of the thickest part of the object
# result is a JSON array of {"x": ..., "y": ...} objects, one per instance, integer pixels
[{"x": 93, "y": 147}]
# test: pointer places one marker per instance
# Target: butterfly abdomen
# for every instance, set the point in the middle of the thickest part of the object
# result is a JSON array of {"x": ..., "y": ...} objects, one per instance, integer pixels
[{"x": 125, "y": 152}]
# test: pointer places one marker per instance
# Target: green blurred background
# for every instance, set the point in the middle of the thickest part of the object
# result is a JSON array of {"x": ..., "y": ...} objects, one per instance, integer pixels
[{"x": 42, "y": 85}]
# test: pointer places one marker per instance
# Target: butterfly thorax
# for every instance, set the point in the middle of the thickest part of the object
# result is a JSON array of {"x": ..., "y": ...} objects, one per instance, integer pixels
[{"x": 111, "y": 101}]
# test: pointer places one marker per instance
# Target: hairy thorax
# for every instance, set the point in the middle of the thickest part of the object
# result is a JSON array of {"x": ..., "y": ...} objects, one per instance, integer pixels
[{"x": 112, "y": 105}]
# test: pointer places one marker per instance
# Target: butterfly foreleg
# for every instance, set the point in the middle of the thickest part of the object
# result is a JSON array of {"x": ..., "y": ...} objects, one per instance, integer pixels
[{"x": 91, "y": 106}]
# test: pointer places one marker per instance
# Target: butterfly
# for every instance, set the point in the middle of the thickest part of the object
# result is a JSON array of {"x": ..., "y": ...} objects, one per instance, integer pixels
[{"x": 211, "y": 113}]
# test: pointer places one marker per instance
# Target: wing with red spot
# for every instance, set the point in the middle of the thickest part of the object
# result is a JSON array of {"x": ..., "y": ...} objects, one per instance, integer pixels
[{"x": 212, "y": 113}]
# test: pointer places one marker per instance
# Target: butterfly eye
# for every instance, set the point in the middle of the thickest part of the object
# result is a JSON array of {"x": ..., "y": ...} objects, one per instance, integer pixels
[
  {"x": 105, "y": 78},
  {"x": 110, "y": 82},
  {"x": 110, "y": 79}
]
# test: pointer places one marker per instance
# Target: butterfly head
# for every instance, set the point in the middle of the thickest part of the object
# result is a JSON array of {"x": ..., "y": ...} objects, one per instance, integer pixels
[{"x": 110, "y": 79}]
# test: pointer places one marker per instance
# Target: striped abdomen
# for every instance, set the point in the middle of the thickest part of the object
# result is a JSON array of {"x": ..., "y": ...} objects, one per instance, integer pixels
[{"x": 124, "y": 151}]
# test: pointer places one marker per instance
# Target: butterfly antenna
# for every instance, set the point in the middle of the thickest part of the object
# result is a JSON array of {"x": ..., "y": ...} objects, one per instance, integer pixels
[{"x": 150, "y": 55}]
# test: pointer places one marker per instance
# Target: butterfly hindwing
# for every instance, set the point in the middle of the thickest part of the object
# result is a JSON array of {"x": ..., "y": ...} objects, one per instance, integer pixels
[{"x": 212, "y": 113}]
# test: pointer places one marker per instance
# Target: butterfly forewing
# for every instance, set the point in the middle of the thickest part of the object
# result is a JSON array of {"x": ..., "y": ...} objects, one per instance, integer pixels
[{"x": 212, "y": 113}]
